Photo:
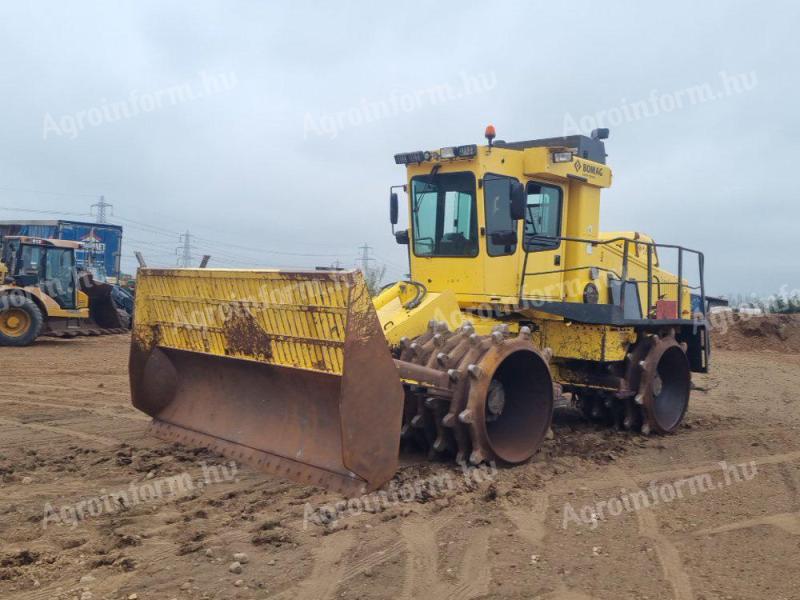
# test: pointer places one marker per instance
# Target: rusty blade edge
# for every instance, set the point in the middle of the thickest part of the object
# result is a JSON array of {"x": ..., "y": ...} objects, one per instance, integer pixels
[{"x": 274, "y": 464}]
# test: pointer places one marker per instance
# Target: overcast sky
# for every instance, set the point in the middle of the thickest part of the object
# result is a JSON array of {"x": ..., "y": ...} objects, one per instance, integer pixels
[{"x": 267, "y": 127}]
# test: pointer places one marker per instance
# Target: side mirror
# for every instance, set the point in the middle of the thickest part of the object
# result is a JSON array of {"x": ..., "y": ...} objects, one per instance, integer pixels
[
  {"x": 393, "y": 208},
  {"x": 518, "y": 201},
  {"x": 401, "y": 237}
]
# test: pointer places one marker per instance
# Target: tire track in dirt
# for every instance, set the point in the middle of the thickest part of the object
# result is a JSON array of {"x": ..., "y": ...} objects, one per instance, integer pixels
[
  {"x": 98, "y": 439},
  {"x": 474, "y": 572},
  {"x": 103, "y": 410},
  {"x": 615, "y": 478},
  {"x": 667, "y": 553},
  {"x": 326, "y": 574},
  {"x": 788, "y": 522},
  {"x": 788, "y": 477},
  {"x": 420, "y": 541},
  {"x": 357, "y": 567},
  {"x": 421, "y": 578},
  {"x": 103, "y": 391},
  {"x": 530, "y": 520},
  {"x": 562, "y": 592}
]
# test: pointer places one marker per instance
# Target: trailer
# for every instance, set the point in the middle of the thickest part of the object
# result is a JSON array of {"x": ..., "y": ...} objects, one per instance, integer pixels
[{"x": 101, "y": 243}]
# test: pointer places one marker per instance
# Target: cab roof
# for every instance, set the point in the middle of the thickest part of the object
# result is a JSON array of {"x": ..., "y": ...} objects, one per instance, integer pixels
[{"x": 24, "y": 239}]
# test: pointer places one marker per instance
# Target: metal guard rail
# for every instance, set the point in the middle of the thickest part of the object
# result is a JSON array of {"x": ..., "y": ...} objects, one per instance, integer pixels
[{"x": 623, "y": 277}]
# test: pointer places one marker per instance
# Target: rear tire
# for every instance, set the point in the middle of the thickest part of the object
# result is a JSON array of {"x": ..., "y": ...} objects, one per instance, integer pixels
[{"x": 20, "y": 321}]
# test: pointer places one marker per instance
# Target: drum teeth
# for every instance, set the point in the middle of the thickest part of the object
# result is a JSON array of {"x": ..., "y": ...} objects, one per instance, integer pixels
[
  {"x": 452, "y": 414},
  {"x": 466, "y": 416},
  {"x": 441, "y": 327},
  {"x": 477, "y": 457}
]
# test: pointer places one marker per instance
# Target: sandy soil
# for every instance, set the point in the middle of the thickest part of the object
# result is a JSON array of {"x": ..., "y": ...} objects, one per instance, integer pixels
[{"x": 68, "y": 438}]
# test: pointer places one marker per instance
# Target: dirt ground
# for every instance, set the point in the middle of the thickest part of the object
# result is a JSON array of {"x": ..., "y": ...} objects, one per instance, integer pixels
[{"x": 71, "y": 446}]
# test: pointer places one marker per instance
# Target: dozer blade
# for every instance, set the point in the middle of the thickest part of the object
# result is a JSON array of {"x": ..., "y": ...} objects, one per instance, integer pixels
[{"x": 287, "y": 371}]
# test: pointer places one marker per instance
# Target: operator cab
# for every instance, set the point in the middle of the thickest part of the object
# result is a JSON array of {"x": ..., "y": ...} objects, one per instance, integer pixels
[
  {"x": 43, "y": 263},
  {"x": 487, "y": 222}
]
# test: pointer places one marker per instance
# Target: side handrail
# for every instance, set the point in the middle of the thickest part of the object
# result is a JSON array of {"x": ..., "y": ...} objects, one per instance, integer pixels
[{"x": 650, "y": 245}]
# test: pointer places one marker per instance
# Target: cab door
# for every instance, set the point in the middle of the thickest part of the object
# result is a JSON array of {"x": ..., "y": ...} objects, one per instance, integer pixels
[
  {"x": 59, "y": 276},
  {"x": 543, "y": 266},
  {"x": 501, "y": 239}
]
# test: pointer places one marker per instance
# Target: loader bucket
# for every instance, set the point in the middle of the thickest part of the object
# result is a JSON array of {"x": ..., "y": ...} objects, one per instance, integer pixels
[
  {"x": 286, "y": 371},
  {"x": 102, "y": 309}
]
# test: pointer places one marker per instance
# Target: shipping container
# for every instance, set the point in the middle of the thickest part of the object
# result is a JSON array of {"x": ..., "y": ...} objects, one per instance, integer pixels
[{"x": 102, "y": 241}]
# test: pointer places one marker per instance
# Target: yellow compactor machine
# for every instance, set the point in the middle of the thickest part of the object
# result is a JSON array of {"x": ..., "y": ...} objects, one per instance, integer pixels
[{"x": 516, "y": 303}]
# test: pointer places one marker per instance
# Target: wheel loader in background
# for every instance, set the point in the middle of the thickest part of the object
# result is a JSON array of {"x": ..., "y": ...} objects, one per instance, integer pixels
[
  {"x": 42, "y": 294},
  {"x": 516, "y": 302}
]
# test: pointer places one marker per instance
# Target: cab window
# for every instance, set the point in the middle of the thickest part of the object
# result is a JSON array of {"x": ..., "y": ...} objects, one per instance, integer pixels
[
  {"x": 30, "y": 260},
  {"x": 542, "y": 217},
  {"x": 444, "y": 219},
  {"x": 500, "y": 228}
]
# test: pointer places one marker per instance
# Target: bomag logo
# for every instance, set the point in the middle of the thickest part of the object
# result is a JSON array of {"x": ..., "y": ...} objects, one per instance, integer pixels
[{"x": 585, "y": 169}]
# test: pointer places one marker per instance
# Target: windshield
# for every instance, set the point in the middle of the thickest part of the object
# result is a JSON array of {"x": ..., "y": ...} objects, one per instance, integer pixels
[{"x": 444, "y": 219}]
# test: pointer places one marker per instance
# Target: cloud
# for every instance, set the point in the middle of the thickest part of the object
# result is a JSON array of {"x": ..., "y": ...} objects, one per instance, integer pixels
[{"x": 238, "y": 168}]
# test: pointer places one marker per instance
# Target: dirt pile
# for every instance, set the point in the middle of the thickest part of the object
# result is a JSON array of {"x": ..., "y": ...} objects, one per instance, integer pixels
[{"x": 776, "y": 333}]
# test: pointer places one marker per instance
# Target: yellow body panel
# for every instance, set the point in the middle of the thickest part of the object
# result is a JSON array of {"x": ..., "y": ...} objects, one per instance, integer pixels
[
  {"x": 49, "y": 307},
  {"x": 398, "y": 322},
  {"x": 602, "y": 343},
  {"x": 538, "y": 163}
]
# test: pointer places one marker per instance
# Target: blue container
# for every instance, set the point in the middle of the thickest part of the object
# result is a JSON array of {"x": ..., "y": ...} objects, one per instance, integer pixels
[{"x": 102, "y": 250}]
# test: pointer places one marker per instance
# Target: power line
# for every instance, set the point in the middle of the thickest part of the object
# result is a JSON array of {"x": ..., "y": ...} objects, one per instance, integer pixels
[
  {"x": 265, "y": 251},
  {"x": 205, "y": 242},
  {"x": 391, "y": 264},
  {"x": 45, "y": 212},
  {"x": 148, "y": 227}
]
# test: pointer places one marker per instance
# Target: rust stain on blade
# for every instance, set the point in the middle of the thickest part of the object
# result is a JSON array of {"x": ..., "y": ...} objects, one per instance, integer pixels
[{"x": 245, "y": 336}]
